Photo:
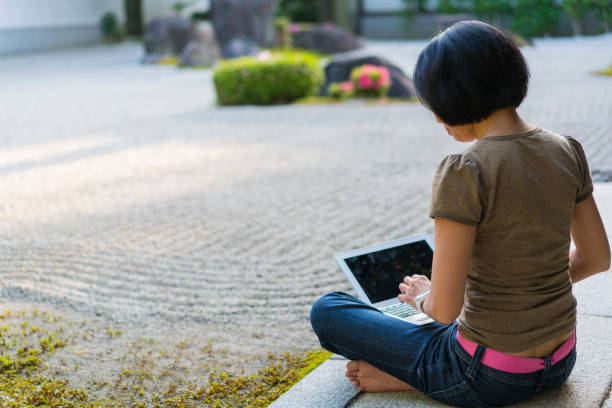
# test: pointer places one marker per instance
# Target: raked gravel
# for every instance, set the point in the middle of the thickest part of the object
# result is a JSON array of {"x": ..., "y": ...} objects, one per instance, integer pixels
[{"x": 128, "y": 195}]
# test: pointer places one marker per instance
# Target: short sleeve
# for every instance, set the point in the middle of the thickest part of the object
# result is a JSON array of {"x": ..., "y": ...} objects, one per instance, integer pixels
[
  {"x": 456, "y": 191},
  {"x": 585, "y": 187}
]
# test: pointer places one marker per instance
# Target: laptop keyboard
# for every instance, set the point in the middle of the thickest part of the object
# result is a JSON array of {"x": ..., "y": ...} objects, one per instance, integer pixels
[{"x": 399, "y": 310}]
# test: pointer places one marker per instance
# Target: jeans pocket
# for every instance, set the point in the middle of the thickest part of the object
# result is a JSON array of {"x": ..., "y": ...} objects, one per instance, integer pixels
[
  {"x": 460, "y": 395},
  {"x": 560, "y": 375}
]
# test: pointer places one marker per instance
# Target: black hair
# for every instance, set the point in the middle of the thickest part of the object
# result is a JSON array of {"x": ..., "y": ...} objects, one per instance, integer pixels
[{"x": 469, "y": 71}]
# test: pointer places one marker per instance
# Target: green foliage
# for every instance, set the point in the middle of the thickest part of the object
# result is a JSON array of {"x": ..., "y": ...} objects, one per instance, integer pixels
[
  {"x": 492, "y": 9},
  {"x": 529, "y": 18},
  {"x": 201, "y": 15},
  {"x": 110, "y": 27},
  {"x": 534, "y": 18},
  {"x": 454, "y": 6},
  {"x": 603, "y": 11},
  {"x": 415, "y": 6},
  {"x": 281, "y": 78},
  {"x": 281, "y": 29},
  {"x": 303, "y": 11},
  {"x": 179, "y": 6},
  {"x": 341, "y": 90},
  {"x": 575, "y": 8}
]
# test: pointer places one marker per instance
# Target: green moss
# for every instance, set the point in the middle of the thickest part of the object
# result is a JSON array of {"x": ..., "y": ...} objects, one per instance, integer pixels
[
  {"x": 321, "y": 100},
  {"x": 316, "y": 100},
  {"x": 391, "y": 101},
  {"x": 150, "y": 373},
  {"x": 607, "y": 71},
  {"x": 169, "y": 61}
]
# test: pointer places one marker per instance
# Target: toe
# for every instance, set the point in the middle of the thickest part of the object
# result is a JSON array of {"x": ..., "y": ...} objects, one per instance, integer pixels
[{"x": 353, "y": 365}]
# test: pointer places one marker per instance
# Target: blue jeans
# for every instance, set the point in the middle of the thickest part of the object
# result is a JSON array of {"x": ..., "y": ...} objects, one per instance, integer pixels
[{"x": 427, "y": 357}]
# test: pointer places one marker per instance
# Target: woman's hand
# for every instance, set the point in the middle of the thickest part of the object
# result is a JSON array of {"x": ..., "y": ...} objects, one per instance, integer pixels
[{"x": 412, "y": 287}]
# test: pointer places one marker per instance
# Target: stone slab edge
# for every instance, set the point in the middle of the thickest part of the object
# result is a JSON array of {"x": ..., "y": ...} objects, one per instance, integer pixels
[{"x": 326, "y": 386}]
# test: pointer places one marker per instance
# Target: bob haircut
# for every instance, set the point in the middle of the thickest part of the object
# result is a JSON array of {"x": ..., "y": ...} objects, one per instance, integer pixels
[{"x": 469, "y": 71}]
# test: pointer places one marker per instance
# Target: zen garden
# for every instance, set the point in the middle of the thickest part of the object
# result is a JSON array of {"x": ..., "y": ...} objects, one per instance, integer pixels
[{"x": 176, "y": 196}]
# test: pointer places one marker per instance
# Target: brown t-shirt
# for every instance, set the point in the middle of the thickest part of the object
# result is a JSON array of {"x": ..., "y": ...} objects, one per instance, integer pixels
[{"x": 519, "y": 191}]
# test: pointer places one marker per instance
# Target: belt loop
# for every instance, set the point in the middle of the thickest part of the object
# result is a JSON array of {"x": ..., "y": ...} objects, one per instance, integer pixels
[
  {"x": 475, "y": 363},
  {"x": 544, "y": 375}
]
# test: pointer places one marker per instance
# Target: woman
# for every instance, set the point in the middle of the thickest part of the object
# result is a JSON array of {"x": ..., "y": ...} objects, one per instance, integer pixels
[{"x": 504, "y": 210}]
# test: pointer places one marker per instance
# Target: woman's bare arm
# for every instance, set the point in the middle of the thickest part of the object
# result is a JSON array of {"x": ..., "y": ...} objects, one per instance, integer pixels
[
  {"x": 452, "y": 254},
  {"x": 592, "y": 253}
]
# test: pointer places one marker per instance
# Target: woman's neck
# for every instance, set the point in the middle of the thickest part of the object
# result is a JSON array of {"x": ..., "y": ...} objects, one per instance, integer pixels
[{"x": 501, "y": 122}]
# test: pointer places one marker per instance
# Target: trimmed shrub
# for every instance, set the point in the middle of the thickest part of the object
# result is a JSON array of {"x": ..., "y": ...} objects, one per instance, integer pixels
[
  {"x": 110, "y": 27},
  {"x": 268, "y": 79}
]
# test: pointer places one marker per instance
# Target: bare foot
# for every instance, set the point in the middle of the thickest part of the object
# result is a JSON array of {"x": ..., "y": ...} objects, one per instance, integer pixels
[{"x": 370, "y": 379}]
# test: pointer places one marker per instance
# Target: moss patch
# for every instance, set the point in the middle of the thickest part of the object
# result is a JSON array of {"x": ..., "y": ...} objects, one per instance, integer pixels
[
  {"x": 607, "y": 71},
  {"x": 39, "y": 351},
  {"x": 322, "y": 100},
  {"x": 316, "y": 100},
  {"x": 169, "y": 61}
]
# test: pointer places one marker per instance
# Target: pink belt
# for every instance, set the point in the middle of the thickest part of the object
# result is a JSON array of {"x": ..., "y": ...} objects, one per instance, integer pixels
[{"x": 515, "y": 364}]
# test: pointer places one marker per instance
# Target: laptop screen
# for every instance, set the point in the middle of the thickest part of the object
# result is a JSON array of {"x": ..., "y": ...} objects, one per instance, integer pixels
[{"x": 380, "y": 273}]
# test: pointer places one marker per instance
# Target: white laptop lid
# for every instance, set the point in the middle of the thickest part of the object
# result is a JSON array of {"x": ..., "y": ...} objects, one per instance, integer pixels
[{"x": 376, "y": 271}]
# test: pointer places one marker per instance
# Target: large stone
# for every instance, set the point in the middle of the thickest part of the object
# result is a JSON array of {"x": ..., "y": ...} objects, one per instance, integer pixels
[
  {"x": 327, "y": 39},
  {"x": 166, "y": 35},
  {"x": 203, "y": 50},
  {"x": 339, "y": 70},
  {"x": 250, "y": 19},
  {"x": 240, "y": 47}
]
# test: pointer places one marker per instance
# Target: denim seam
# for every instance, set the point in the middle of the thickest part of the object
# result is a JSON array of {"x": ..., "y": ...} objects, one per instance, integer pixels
[{"x": 459, "y": 387}]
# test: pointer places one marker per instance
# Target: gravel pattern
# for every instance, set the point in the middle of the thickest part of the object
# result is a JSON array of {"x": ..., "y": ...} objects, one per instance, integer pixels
[{"x": 128, "y": 194}]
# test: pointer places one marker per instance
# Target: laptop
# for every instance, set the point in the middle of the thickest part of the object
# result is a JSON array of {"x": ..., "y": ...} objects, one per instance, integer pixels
[{"x": 376, "y": 271}]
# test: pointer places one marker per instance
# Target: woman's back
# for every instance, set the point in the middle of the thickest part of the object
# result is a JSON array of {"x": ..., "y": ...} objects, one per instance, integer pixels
[{"x": 520, "y": 190}]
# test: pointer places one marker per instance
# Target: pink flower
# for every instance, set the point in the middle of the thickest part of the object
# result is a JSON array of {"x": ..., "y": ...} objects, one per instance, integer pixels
[
  {"x": 382, "y": 81},
  {"x": 365, "y": 81},
  {"x": 294, "y": 28},
  {"x": 347, "y": 86},
  {"x": 366, "y": 69},
  {"x": 384, "y": 73},
  {"x": 264, "y": 56}
]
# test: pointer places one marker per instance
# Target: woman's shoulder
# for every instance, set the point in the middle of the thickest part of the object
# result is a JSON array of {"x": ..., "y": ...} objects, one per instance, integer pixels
[
  {"x": 458, "y": 166},
  {"x": 458, "y": 162}
]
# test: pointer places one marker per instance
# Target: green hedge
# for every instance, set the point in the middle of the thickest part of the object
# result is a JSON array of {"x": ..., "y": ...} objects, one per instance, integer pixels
[
  {"x": 281, "y": 78},
  {"x": 110, "y": 27}
]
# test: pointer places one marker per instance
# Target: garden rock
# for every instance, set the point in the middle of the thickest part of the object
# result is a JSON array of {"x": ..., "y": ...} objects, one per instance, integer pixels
[
  {"x": 166, "y": 35},
  {"x": 327, "y": 39},
  {"x": 203, "y": 50},
  {"x": 240, "y": 47},
  {"x": 250, "y": 19},
  {"x": 339, "y": 70}
]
